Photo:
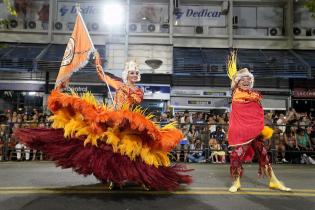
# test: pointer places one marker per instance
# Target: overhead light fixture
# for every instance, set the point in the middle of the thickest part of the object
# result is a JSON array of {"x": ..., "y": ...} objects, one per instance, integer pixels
[
  {"x": 113, "y": 14},
  {"x": 154, "y": 63}
]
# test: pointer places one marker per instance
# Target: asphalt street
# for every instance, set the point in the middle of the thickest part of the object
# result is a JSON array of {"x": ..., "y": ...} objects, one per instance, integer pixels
[{"x": 42, "y": 186}]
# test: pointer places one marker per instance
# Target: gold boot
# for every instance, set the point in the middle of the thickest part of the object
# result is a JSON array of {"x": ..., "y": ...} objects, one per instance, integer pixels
[
  {"x": 110, "y": 185},
  {"x": 236, "y": 185},
  {"x": 146, "y": 188},
  {"x": 274, "y": 183}
]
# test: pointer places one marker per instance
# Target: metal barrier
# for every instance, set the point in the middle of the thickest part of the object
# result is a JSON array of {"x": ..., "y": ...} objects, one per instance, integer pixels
[{"x": 204, "y": 130}]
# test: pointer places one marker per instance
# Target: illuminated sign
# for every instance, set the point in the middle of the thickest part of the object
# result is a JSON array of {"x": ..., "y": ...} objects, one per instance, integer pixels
[{"x": 303, "y": 93}]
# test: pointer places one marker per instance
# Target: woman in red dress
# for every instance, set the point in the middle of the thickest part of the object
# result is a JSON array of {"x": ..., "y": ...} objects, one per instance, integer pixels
[{"x": 247, "y": 132}]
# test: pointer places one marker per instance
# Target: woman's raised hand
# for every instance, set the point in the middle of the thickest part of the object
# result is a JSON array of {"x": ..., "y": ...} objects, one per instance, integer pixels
[{"x": 100, "y": 72}]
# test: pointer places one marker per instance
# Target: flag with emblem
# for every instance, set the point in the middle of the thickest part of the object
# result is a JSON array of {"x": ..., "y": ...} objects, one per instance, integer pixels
[{"x": 77, "y": 53}]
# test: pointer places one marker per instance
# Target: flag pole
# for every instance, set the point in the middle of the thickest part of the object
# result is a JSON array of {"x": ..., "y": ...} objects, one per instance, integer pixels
[{"x": 94, "y": 50}]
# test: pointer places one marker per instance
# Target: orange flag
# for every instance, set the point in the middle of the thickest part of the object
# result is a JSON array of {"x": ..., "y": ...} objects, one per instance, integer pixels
[{"x": 77, "y": 53}]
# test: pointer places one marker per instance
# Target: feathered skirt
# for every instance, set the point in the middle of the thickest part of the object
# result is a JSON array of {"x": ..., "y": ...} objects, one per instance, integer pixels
[{"x": 113, "y": 145}]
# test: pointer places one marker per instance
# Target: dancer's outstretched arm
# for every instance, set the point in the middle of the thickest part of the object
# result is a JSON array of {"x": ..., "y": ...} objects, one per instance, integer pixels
[{"x": 105, "y": 78}]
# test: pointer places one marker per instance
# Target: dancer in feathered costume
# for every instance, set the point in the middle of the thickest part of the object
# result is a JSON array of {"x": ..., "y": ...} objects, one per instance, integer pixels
[
  {"x": 247, "y": 132},
  {"x": 127, "y": 93},
  {"x": 114, "y": 143}
]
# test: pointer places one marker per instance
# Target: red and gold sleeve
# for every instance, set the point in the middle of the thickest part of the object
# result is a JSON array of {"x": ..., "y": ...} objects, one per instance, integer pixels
[
  {"x": 112, "y": 82},
  {"x": 137, "y": 96},
  {"x": 246, "y": 95}
]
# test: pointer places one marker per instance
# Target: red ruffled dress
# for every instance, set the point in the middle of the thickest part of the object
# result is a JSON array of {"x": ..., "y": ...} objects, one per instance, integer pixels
[{"x": 246, "y": 118}]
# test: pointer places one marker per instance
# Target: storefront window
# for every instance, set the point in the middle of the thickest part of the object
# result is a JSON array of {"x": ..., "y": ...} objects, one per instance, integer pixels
[
  {"x": 30, "y": 15},
  {"x": 20, "y": 101}
]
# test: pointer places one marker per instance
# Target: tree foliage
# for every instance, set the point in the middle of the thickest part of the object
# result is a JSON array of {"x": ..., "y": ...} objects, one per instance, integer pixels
[
  {"x": 10, "y": 7},
  {"x": 310, "y": 5},
  {"x": 12, "y": 11}
]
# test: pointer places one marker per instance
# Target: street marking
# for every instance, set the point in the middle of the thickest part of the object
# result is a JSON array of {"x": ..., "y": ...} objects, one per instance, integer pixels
[
  {"x": 249, "y": 189},
  {"x": 102, "y": 188},
  {"x": 191, "y": 191}
]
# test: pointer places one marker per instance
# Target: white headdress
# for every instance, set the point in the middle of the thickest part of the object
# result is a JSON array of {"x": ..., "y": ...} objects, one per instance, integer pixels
[
  {"x": 239, "y": 74},
  {"x": 235, "y": 75},
  {"x": 130, "y": 66}
]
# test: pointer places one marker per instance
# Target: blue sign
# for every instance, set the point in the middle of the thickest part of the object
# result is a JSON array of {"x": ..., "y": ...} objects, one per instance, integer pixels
[
  {"x": 85, "y": 10},
  {"x": 203, "y": 13},
  {"x": 154, "y": 89},
  {"x": 197, "y": 12}
]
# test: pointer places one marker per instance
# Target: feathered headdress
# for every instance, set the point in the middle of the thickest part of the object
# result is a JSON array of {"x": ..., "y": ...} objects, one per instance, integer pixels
[
  {"x": 130, "y": 66},
  {"x": 232, "y": 72}
]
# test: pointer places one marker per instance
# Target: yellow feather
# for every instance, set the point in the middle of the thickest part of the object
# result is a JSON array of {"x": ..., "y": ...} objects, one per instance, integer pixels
[
  {"x": 73, "y": 92},
  {"x": 231, "y": 64},
  {"x": 267, "y": 132},
  {"x": 57, "y": 124},
  {"x": 171, "y": 125},
  {"x": 148, "y": 157},
  {"x": 89, "y": 98},
  {"x": 78, "y": 126},
  {"x": 94, "y": 139},
  {"x": 86, "y": 141},
  {"x": 60, "y": 119},
  {"x": 155, "y": 161},
  {"x": 125, "y": 107},
  {"x": 70, "y": 128},
  {"x": 73, "y": 125},
  {"x": 91, "y": 139},
  {"x": 104, "y": 107},
  {"x": 163, "y": 158},
  {"x": 84, "y": 131},
  {"x": 113, "y": 140},
  {"x": 149, "y": 116},
  {"x": 130, "y": 145},
  {"x": 145, "y": 154}
]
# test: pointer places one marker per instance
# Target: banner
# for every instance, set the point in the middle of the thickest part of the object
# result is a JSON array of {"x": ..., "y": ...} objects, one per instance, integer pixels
[{"x": 151, "y": 13}]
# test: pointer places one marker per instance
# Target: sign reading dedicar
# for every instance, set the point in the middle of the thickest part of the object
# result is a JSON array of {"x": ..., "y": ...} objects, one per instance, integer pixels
[{"x": 200, "y": 15}]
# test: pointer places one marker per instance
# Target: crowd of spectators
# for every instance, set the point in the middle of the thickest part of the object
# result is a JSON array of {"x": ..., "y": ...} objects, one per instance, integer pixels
[
  {"x": 10, "y": 147},
  {"x": 205, "y": 136}
]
